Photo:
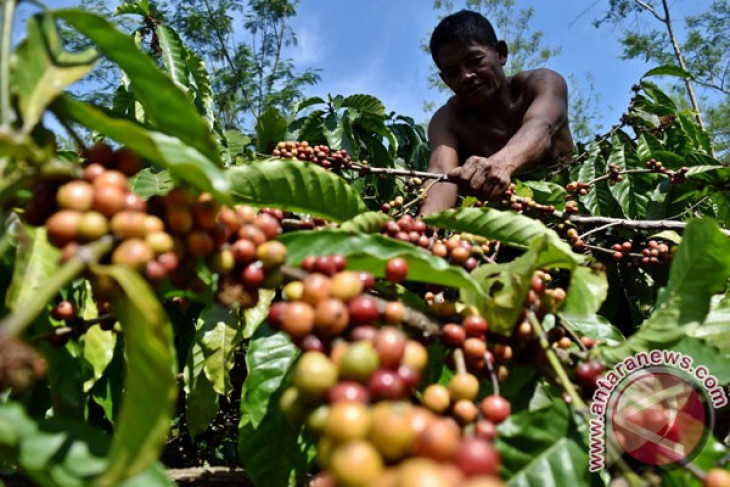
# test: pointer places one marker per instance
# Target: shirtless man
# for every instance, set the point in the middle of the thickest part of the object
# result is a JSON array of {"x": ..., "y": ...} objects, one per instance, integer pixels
[{"x": 494, "y": 127}]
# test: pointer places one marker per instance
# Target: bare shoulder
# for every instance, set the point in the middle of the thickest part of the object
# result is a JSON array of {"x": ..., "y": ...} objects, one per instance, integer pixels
[
  {"x": 443, "y": 120},
  {"x": 539, "y": 80}
]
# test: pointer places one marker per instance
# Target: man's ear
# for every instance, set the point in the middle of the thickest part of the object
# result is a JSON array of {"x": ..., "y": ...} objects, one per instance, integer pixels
[{"x": 502, "y": 51}]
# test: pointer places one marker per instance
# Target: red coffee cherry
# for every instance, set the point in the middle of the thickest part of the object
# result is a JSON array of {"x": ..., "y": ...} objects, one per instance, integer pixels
[
  {"x": 363, "y": 310},
  {"x": 477, "y": 457},
  {"x": 495, "y": 408},
  {"x": 64, "y": 310},
  {"x": 396, "y": 270},
  {"x": 475, "y": 326}
]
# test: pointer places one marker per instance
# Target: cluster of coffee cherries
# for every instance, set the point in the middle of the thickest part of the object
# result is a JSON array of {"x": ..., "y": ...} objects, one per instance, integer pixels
[
  {"x": 321, "y": 155},
  {"x": 655, "y": 252},
  {"x": 464, "y": 250},
  {"x": 353, "y": 386},
  {"x": 165, "y": 236}
]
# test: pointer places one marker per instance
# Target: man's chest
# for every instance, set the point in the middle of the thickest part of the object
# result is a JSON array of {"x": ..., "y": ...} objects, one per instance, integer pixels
[{"x": 483, "y": 139}]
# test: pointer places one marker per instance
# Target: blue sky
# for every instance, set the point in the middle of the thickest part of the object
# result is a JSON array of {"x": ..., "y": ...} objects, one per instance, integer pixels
[{"x": 374, "y": 47}]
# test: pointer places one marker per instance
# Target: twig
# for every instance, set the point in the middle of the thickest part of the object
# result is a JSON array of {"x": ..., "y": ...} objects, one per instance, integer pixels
[
  {"x": 492, "y": 374},
  {"x": 420, "y": 197},
  {"x": 598, "y": 229}
]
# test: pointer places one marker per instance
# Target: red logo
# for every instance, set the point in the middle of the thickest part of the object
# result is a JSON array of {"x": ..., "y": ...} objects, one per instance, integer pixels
[{"x": 659, "y": 417}]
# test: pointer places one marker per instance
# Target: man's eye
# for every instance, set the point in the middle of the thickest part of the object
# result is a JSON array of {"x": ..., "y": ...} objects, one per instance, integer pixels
[{"x": 474, "y": 61}]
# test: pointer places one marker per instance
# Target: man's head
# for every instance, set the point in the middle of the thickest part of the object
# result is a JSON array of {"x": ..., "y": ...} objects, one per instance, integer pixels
[
  {"x": 469, "y": 57},
  {"x": 464, "y": 27}
]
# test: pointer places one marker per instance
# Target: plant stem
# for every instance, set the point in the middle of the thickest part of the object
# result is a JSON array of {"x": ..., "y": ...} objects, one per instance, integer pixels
[
  {"x": 580, "y": 406},
  {"x": 14, "y": 324},
  {"x": 5, "y": 45}
]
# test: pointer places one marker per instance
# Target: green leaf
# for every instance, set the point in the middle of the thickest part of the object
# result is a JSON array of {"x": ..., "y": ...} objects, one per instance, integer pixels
[
  {"x": 237, "y": 143},
  {"x": 599, "y": 201},
  {"x": 173, "y": 56},
  {"x": 183, "y": 161},
  {"x": 148, "y": 183},
  {"x": 218, "y": 334},
  {"x": 668, "y": 70},
  {"x": 699, "y": 270},
  {"x": 632, "y": 192},
  {"x": 596, "y": 327},
  {"x": 270, "y": 355},
  {"x": 662, "y": 100},
  {"x": 339, "y": 133},
  {"x": 150, "y": 392},
  {"x": 42, "y": 71},
  {"x": 369, "y": 222},
  {"x": 588, "y": 289},
  {"x": 59, "y": 452},
  {"x": 716, "y": 327},
  {"x": 253, "y": 317},
  {"x": 546, "y": 193},
  {"x": 509, "y": 228},
  {"x": 537, "y": 448},
  {"x": 270, "y": 130},
  {"x": 506, "y": 286},
  {"x": 371, "y": 252},
  {"x": 141, "y": 7},
  {"x": 295, "y": 186},
  {"x": 201, "y": 83},
  {"x": 168, "y": 107},
  {"x": 35, "y": 261},
  {"x": 364, "y": 103},
  {"x": 201, "y": 400},
  {"x": 271, "y": 452}
]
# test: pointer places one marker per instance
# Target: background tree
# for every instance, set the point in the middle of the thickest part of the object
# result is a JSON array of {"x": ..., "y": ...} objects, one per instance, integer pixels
[
  {"x": 241, "y": 43},
  {"x": 701, "y": 47}
]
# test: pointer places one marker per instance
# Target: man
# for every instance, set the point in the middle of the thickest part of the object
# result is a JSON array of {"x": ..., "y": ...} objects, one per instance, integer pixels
[{"x": 494, "y": 127}]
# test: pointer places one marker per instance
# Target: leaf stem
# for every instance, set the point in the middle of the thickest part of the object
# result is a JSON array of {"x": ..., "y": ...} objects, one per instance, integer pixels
[
  {"x": 5, "y": 47},
  {"x": 15, "y": 323}
]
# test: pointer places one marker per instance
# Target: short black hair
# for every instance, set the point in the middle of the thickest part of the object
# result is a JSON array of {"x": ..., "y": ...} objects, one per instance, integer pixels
[{"x": 464, "y": 27}]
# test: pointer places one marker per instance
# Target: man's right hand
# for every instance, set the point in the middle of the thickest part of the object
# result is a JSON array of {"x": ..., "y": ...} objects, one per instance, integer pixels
[{"x": 485, "y": 178}]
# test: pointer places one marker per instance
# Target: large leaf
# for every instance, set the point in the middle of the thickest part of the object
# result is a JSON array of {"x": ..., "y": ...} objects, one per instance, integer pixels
[
  {"x": 668, "y": 70},
  {"x": 173, "y": 56},
  {"x": 370, "y": 222},
  {"x": 270, "y": 129},
  {"x": 371, "y": 252},
  {"x": 509, "y": 228},
  {"x": 218, "y": 334},
  {"x": 54, "y": 452},
  {"x": 700, "y": 269},
  {"x": 505, "y": 289},
  {"x": 201, "y": 400},
  {"x": 253, "y": 317},
  {"x": 43, "y": 70},
  {"x": 150, "y": 392},
  {"x": 716, "y": 327},
  {"x": 35, "y": 261},
  {"x": 537, "y": 448},
  {"x": 587, "y": 291},
  {"x": 164, "y": 103},
  {"x": 364, "y": 103},
  {"x": 295, "y": 186},
  {"x": 269, "y": 357},
  {"x": 631, "y": 193},
  {"x": 148, "y": 183},
  {"x": 183, "y": 161},
  {"x": 271, "y": 453},
  {"x": 201, "y": 83}
]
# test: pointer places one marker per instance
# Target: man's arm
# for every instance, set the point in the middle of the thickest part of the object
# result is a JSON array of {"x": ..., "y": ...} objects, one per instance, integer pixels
[
  {"x": 444, "y": 157},
  {"x": 489, "y": 177}
]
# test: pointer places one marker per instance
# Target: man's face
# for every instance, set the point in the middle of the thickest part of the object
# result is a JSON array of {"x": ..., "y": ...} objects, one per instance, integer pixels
[{"x": 473, "y": 72}]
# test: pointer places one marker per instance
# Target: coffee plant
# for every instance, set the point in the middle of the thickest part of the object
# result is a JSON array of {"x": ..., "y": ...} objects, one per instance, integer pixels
[{"x": 178, "y": 295}]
